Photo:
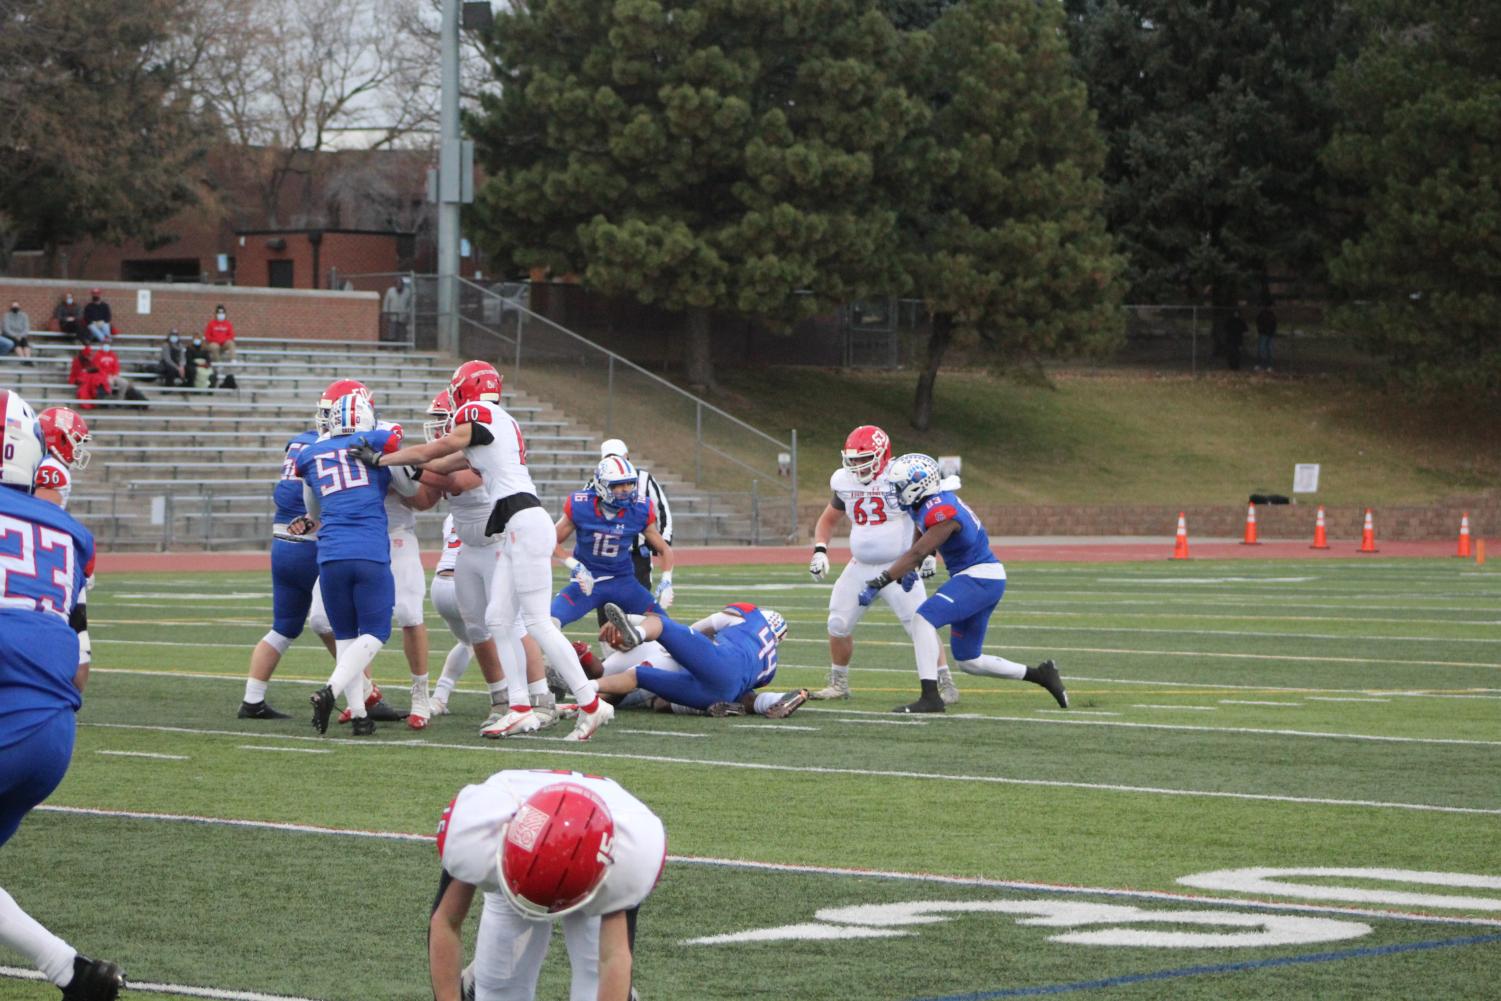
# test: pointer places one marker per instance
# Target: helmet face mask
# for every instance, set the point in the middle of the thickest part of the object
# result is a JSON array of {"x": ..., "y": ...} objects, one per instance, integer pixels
[
  {"x": 915, "y": 477},
  {"x": 555, "y": 851},
  {"x": 615, "y": 482},
  {"x": 441, "y": 412},
  {"x": 331, "y": 395},
  {"x": 867, "y": 452},
  {"x": 66, "y": 436}
]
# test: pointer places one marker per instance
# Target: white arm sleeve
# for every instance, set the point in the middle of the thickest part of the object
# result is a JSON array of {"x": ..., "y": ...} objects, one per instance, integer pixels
[
  {"x": 715, "y": 623},
  {"x": 310, "y": 499}
]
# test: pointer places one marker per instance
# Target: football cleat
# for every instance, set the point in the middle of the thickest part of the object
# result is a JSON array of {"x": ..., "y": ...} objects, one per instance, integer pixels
[
  {"x": 546, "y": 708},
  {"x": 923, "y": 705},
  {"x": 381, "y": 710},
  {"x": 588, "y": 723},
  {"x": 512, "y": 724},
  {"x": 722, "y": 709},
  {"x": 440, "y": 707},
  {"x": 630, "y": 636},
  {"x": 787, "y": 704},
  {"x": 362, "y": 727},
  {"x": 323, "y": 707},
  {"x": 947, "y": 690},
  {"x": 838, "y": 687},
  {"x": 567, "y": 710},
  {"x": 1046, "y": 675},
  {"x": 94, "y": 980},
  {"x": 259, "y": 710}
]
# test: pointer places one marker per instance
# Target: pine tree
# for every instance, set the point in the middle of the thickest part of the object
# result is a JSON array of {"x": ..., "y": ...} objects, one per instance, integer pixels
[
  {"x": 1003, "y": 230},
  {"x": 1421, "y": 134},
  {"x": 702, "y": 155}
]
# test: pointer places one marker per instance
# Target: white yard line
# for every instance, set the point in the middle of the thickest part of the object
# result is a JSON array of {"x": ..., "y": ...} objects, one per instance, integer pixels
[
  {"x": 183, "y": 990},
  {"x": 1078, "y": 712},
  {"x": 779, "y": 727},
  {"x": 1344, "y": 698},
  {"x": 548, "y": 746},
  {"x": 660, "y": 733},
  {"x": 886, "y": 722},
  {"x": 817, "y": 870},
  {"x": 1197, "y": 709},
  {"x": 1260, "y": 702},
  {"x": 285, "y": 750},
  {"x": 145, "y": 754}
]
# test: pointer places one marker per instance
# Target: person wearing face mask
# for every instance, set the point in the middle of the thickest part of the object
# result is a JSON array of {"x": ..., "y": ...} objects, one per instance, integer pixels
[
  {"x": 219, "y": 337},
  {"x": 14, "y": 331},
  {"x": 98, "y": 321},
  {"x": 172, "y": 366},
  {"x": 66, "y": 316},
  {"x": 200, "y": 371}
]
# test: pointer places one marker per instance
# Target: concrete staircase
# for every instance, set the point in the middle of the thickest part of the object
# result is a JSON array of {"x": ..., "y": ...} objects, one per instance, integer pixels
[{"x": 194, "y": 469}]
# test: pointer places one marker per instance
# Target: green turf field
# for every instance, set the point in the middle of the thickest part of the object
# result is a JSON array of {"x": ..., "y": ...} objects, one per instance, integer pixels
[{"x": 1227, "y": 716}]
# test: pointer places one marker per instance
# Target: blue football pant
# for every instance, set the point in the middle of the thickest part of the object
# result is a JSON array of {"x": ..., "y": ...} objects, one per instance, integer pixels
[
  {"x": 572, "y": 603},
  {"x": 34, "y": 766},
  {"x": 294, "y": 571},
  {"x": 965, "y": 605},
  {"x": 359, "y": 597},
  {"x": 711, "y": 673}
]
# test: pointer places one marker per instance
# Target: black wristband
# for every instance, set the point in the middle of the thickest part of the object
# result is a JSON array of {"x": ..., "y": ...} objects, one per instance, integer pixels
[
  {"x": 881, "y": 579},
  {"x": 416, "y": 473},
  {"x": 819, "y": 547}
]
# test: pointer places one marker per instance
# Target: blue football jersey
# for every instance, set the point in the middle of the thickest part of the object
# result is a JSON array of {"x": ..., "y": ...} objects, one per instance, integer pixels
[
  {"x": 754, "y": 637},
  {"x": 352, "y": 495},
  {"x": 288, "y": 492},
  {"x": 965, "y": 548},
  {"x": 44, "y": 557},
  {"x": 603, "y": 540}
]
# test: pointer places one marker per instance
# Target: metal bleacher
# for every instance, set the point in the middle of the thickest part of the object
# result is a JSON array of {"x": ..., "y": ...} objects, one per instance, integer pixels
[{"x": 193, "y": 468}]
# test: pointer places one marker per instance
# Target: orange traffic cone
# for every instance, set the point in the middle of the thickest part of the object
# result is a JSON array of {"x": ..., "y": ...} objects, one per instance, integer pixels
[
  {"x": 1250, "y": 539},
  {"x": 1180, "y": 544},
  {"x": 1480, "y": 552},
  {"x": 1320, "y": 539},
  {"x": 1464, "y": 536},
  {"x": 1368, "y": 535}
]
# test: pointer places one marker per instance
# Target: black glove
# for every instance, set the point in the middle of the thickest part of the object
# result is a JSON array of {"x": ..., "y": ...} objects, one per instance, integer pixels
[{"x": 366, "y": 453}]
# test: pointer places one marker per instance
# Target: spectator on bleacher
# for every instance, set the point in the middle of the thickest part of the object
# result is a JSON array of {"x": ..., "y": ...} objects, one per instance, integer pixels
[
  {"x": 98, "y": 322},
  {"x": 14, "y": 330},
  {"x": 172, "y": 367},
  {"x": 395, "y": 308},
  {"x": 93, "y": 372},
  {"x": 219, "y": 336},
  {"x": 200, "y": 374},
  {"x": 66, "y": 316}
]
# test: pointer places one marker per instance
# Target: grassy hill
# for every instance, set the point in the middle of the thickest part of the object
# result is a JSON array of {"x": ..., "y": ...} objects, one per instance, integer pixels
[{"x": 1133, "y": 438}]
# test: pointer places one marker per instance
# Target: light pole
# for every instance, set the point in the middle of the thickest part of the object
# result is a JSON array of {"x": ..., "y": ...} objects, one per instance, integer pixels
[{"x": 454, "y": 184}]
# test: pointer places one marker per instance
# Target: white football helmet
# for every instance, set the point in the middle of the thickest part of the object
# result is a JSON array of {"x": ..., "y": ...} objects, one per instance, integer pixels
[
  {"x": 351, "y": 414},
  {"x": 21, "y": 447},
  {"x": 611, "y": 473},
  {"x": 914, "y": 476},
  {"x": 776, "y": 622}
]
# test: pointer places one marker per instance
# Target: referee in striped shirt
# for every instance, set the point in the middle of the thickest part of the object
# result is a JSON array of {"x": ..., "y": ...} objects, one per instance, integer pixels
[{"x": 647, "y": 488}]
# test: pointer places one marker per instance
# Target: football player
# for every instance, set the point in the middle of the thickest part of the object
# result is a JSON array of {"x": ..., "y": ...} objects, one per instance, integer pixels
[
  {"x": 491, "y": 444},
  {"x": 66, "y": 438},
  {"x": 406, "y": 572},
  {"x": 878, "y": 534},
  {"x": 607, "y": 518},
  {"x": 965, "y": 602},
  {"x": 47, "y": 556},
  {"x": 346, "y": 503},
  {"x": 543, "y": 847},
  {"x": 772, "y": 705},
  {"x": 294, "y": 578},
  {"x": 724, "y": 656}
]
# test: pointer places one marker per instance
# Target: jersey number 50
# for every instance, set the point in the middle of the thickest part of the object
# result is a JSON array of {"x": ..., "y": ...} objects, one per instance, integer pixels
[{"x": 336, "y": 472}]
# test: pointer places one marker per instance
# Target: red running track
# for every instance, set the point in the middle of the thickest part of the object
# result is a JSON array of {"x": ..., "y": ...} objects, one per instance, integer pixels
[{"x": 1024, "y": 552}]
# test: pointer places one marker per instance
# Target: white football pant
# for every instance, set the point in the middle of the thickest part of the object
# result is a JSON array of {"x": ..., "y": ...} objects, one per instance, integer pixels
[
  {"x": 845, "y": 609},
  {"x": 509, "y": 951}
]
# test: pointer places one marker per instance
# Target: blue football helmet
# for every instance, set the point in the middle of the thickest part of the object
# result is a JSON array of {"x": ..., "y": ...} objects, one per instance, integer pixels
[{"x": 914, "y": 476}]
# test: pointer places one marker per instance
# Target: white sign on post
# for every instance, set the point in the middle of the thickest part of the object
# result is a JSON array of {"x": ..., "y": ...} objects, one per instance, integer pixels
[
  {"x": 143, "y": 302},
  {"x": 1306, "y": 478}
]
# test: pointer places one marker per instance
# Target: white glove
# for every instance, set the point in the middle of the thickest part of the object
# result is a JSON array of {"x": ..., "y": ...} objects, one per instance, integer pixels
[
  {"x": 929, "y": 567},
  {"x": 581, "y": 575},
  {"x": 664, "y": 595},
  {"x": 818, "y": 566}
]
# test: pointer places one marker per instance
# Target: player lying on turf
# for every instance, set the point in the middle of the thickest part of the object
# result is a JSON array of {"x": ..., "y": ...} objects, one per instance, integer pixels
[{"x": 772, "y": 705}]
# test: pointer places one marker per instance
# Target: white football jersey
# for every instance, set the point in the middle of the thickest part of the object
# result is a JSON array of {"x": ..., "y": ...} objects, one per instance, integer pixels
[
  {"x": 501, "y": 462},
  {"x": 398, "y": 515},
  {"x": 879, "y": 530},
  {"x": 469, "y": 835},
  {"x": 471, "y": 505},
  {"x": 451, "y": 546},
  {"x": 54, "y": 474}
]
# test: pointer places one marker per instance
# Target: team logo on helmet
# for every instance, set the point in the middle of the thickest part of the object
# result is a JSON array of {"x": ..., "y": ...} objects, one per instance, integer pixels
[
  {"x": 475, "y": 380},
  {"x": 866, "y": 452},
  {"x": 915, "y": 476},
  {"x": 776, "y": 622}
]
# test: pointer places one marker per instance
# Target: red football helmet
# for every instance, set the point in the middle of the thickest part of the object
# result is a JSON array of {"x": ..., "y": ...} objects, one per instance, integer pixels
[
  {"x": 66, "y": 435},
  {"x": 866, "y": 452},
  {"x": 441, "y": 411},
  {"x": 555, "y": 851},
  {"x": 336, "y": 389},
  {"x": 474, "y": 380}
]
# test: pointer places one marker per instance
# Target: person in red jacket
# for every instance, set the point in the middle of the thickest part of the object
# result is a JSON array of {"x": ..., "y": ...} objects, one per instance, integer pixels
[
  {"x": 93, "y": 372},
  {"x": 219, "y": 336}
]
